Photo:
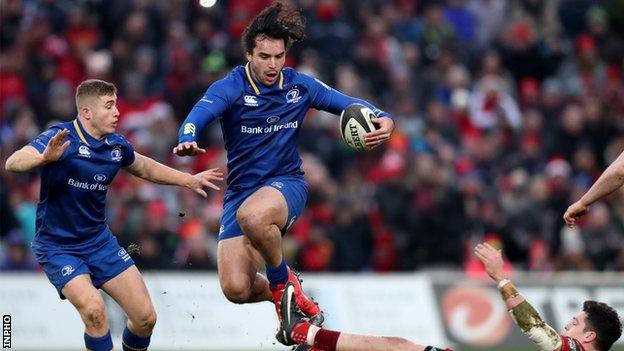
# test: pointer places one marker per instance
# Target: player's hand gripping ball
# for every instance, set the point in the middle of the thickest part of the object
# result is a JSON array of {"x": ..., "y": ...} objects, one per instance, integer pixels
[{"x": 355, "y": 123}]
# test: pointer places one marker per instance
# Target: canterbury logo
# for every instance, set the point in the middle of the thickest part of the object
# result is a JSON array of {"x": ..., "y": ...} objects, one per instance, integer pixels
[
  {"x": 250, "y": 100},
  {"x": 189, "y": 128}
]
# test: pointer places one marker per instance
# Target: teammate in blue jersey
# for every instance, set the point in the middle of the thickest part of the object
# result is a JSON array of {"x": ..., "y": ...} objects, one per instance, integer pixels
[
  {"x": 73, "y": 243},
  {"x": 261, "y": 107}
]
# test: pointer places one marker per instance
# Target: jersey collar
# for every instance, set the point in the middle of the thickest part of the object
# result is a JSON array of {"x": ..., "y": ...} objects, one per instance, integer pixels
[
  {"x": 82, "y": 133},
  {"x": 254, "y": 84}
]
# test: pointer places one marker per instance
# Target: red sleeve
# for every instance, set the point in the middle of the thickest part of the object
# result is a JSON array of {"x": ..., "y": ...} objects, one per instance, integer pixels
[{"x": 570, "y": 344}]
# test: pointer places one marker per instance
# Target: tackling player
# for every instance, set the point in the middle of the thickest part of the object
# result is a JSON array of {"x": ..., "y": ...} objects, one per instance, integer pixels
[
  {"x": 596, "y": 328},
  {"x": 73, "y": 243},
  {"x": 609, "y": 181},
  {"x": 261, "y": 107}
]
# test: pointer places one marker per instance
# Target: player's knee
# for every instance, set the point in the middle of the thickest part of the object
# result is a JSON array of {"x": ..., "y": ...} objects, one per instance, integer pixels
[
  {"x": 249, "y": 221},
  {"x": 236, "y": 291},
  {"x": 147, "y": 319},
  {"x": 94, "y": 314}
]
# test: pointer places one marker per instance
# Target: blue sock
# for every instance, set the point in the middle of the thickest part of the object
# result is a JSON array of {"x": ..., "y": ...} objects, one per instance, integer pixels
[
  {"x": 277, "y": 275},
  {"x": 102, "y": 343},
  {"x": 131, "y": 342}
]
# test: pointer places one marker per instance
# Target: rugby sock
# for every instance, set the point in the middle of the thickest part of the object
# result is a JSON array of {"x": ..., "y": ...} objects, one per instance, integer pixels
[
  {"x": 102, "y": 343},
  {"x": 323, "y": 339},
  {"x": 277, "y": 275},
  {"x": 132, "y": 342},
  {"x": 326, "y": 340}
]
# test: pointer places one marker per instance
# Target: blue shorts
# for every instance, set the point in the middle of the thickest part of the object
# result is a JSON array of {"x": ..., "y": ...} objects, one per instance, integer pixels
[
  {"x": 294, "y": 189},
  {"x": 102, "y": 261}
]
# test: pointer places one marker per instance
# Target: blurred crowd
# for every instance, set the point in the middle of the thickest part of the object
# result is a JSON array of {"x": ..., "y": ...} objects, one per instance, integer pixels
[{"x": 506, "y": 112}]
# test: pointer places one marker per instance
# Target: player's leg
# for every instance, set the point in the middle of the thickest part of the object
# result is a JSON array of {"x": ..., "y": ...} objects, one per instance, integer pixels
[
  {"x": 71, "y": 277},
  {"x": 260, "y": 217},
  {"x": 113, "y": 270},
  {"x": 263, "y": 217},
  {"x": 238, "y": 262},
  {"x": 295, "y": 329},
  {"x": 90, "y": 305},
  {"x": 129, "y": 291}
]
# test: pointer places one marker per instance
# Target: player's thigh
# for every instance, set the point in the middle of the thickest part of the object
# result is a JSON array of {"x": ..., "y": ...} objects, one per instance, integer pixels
[
  {"x": 238, "y": 262},
  {"x": 266, "y": 205},
  {"x": 84, "y": 296},
  {"x": 129, "y": 291}
]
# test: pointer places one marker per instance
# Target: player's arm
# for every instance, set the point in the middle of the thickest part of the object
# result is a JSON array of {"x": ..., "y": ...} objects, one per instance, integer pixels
[
  {"x": 609, "y": 181},
  {"x": 149, "y": 169},
  {"x": 29, "y": 158},
  {"x": 331, "y": 100},
  {"x": 521, "y": 311},
  {"x": 212, "y": 105}
]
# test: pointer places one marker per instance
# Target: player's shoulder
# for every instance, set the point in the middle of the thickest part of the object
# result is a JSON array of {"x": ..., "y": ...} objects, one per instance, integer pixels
[
  {"x": 116, "y": 139},
  {"x": 232, "y": 83},
  {"x": 235, "y": 78},
  {"x": 56, "y": 127},
  {"x": 297, "y": 77}
]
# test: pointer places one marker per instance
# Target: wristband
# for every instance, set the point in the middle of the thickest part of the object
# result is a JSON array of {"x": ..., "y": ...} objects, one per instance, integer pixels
[{"x": 502, "y": 283}]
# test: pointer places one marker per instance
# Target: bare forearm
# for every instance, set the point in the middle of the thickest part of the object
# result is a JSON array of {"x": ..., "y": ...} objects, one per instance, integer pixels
[
  {"x": 24, "y": 161},
  {"x": 159, "y": 173},
  {"x": 608, "y": 182}
]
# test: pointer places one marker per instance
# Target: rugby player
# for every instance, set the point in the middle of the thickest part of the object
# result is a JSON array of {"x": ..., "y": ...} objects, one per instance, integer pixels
[
  {"x": 609, "y": 181},
  {"x": 73, "y": 243},
  {"x": 596, "y": 328},
  {"x": 261, "y": 107}
]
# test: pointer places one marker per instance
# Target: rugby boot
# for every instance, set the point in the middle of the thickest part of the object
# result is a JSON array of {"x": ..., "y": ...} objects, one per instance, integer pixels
[
  {"x": 290, "y": 316},
  {"x": 305, "y": 304}
]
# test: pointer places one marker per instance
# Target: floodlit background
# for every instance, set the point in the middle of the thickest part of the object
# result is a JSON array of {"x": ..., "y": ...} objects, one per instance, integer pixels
[{"x": 506, "y": 112}]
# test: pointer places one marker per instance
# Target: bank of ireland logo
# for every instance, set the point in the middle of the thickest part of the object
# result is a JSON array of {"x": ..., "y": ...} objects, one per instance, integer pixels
[
  {"x": 67, "y": 270},
  {"x": 116, "y": 154},
  {"x": 292, "y": 96},
  {"x": 278, "y": 185},
  {"x": 250, "y": 100},
  {"x": 84, "y": 151},
  {"x": 189, "y": 128},
  {"x": 273, "y": 119},
  {"x": 99, "y": 177}
]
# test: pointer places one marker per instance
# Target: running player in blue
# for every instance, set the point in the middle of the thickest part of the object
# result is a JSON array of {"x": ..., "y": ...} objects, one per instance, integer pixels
[
  {"x": 261, "y": 107},
  {"x": 73, "y": 244}
]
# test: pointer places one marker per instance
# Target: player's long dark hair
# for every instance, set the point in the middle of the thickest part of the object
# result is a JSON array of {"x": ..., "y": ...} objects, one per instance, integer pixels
[{"x": 277, "y": 21}]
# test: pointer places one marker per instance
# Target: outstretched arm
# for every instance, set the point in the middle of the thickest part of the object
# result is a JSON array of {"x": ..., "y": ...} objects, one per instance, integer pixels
[
  {"x": 213, "y": 104},
  {"x": 609, "y": 181},
  {"x": 148, "y": 169},
  {"x": 331, "y": 100},
  {"x": 28, "y": 158},
  {"x": 525, "y": 316}
]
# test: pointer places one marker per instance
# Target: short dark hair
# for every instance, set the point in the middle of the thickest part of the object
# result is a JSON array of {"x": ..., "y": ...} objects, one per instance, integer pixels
[
  {"x": 95, "y": 87},
  {"x": 277, "y": 21},
  {"x": 604, "y": 320}
]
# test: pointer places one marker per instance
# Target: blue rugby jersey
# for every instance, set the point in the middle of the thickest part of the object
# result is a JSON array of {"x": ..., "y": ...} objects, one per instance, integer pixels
[
  {"x": 71, "y": 209},
  {"x": 260, "y": 124}
]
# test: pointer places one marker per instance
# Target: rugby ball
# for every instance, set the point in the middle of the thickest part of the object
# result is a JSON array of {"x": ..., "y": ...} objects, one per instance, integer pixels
[{"x": 355, "y": 123}]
